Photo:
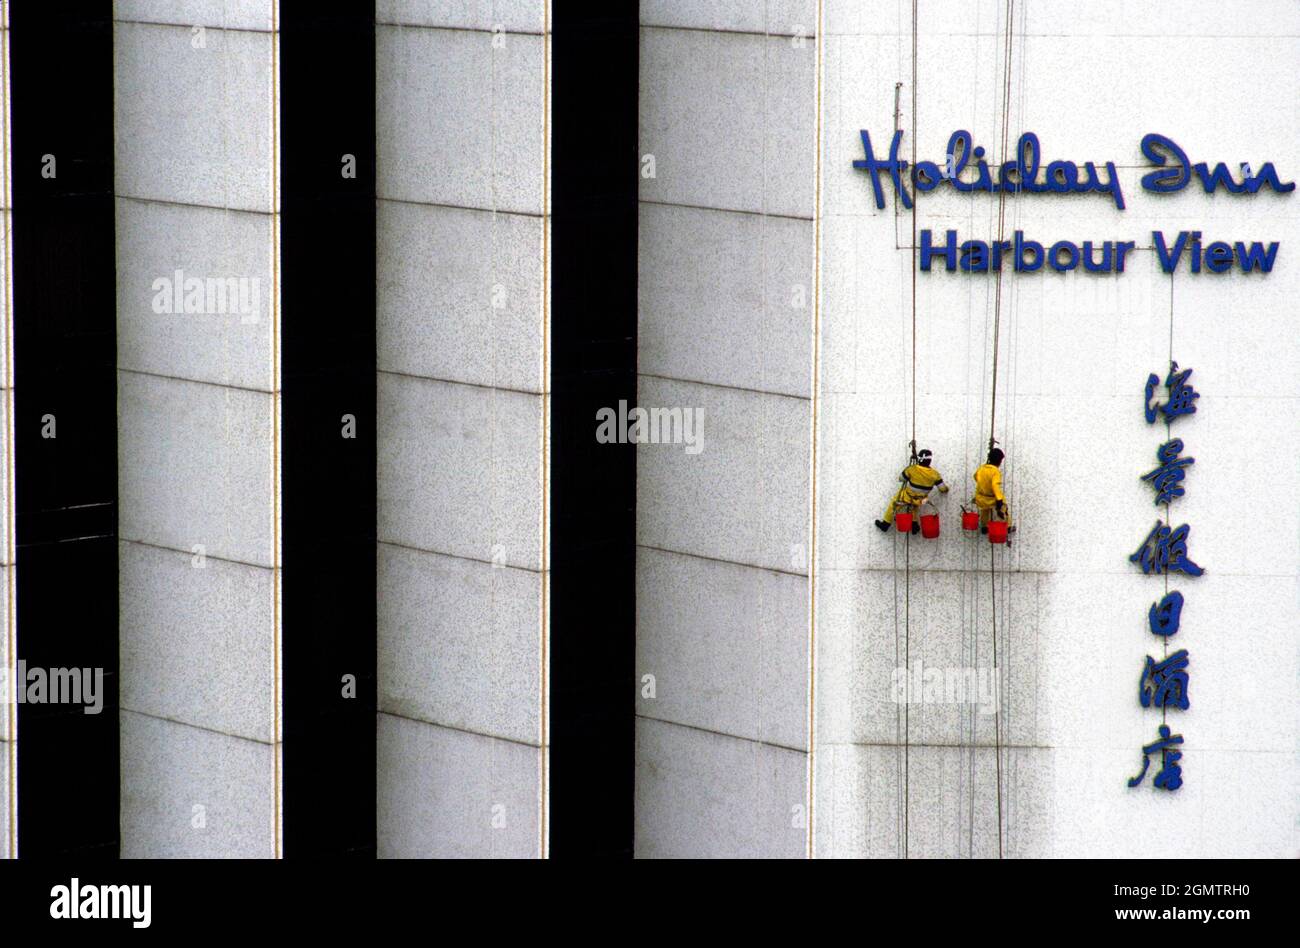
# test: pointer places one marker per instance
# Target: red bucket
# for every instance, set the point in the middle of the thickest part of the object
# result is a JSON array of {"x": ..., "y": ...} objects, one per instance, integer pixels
[
  {"x": 903, "y": 521},
  {"x": 930, "y": 526},
  {"x": 970, "y": 520},
  {"x": 997, "y": 531}
]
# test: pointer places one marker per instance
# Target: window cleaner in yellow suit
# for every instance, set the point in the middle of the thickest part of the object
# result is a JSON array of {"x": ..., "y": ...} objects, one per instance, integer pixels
[
  {"x": 918, "y": 478},
  {"x": 988, "y": 492}
]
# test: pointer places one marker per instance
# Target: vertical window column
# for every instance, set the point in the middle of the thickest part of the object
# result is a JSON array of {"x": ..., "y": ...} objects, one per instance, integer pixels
[
  {"x": 61, "y": 430},
  {"x": 593, "y": 484},
  {"x": 327, "y": 346}
]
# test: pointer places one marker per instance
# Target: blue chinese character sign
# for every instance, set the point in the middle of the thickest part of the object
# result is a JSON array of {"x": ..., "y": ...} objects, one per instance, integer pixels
[
  {"x": 1170, "y": 775},
  {"x": 1164, "y": 682},
  {"x": 1165, "y": 614},
  {"x": 1167, "y": 479},
  {"x": 1165, "y": 551},
  {"x": 1181, "y": 395}
]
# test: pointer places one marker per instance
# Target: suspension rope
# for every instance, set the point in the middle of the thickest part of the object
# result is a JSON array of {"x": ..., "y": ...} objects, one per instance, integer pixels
[
  {"x": 914, "y": 245},
  {"x": 993, "y": 401},
  {"x": 899, "y": 805},
  {"x": 997, "y": 711},
  {"x": 900, "y": 794},
  {"x": 1002, "y": 211},
  {"x": 1008, "y": 585},
  {"x": 907, "y": 581},
  {"x": 907, "y": 705}
]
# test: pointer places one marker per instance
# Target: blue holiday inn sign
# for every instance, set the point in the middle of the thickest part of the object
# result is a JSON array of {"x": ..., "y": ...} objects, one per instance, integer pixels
[{"x": 1172, "y": 171}]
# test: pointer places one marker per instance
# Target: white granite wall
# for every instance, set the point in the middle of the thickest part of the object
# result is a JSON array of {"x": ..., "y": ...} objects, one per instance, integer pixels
[
  {"x": 727, "y": 120},
  {"x": 195, "y": 89},
  {"x": 463, "y": 381},
  {"x": 1090, "y": 80}
]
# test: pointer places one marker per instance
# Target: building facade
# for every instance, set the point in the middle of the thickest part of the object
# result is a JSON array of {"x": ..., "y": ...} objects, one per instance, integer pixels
[{"x": 532, "y": 637}]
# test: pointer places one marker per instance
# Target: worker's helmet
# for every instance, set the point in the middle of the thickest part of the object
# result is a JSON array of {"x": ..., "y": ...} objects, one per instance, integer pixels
[
  {"x": 996, "y": 456},
  {"x": 924, "y": 455}
]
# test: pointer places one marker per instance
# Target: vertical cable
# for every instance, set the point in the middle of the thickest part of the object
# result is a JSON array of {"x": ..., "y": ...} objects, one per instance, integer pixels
[
  {"x": 907, "y": 615},
  {"x": 1002, "y": 205},
  {"x": 1008, "y": 620},
  {"x": 914, "y": 247},
  {"x": 997, "y": 320},
  {"x": 1164, "y": 639}
]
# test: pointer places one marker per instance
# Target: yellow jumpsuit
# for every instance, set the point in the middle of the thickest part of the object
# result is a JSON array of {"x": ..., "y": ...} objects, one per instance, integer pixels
[
  {"x": 988, "y": 491},
  {"x": 918, "y": 480}
]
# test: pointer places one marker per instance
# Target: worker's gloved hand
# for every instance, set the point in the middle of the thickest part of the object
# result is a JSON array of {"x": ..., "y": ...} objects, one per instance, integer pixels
[
  {"x": 1001, "y": 508},
  {"x": 943, "y": 488}
]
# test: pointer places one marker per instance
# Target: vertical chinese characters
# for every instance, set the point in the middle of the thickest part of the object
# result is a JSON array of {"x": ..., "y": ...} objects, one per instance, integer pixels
[{"x": 1164, "y": 682}]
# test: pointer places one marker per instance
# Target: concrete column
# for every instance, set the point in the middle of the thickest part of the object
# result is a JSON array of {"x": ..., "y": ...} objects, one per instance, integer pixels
[
  {"x": 462, "y": 102},
  {"x": 727, "y": 118},
  {"x": 198, "y": 403}
]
